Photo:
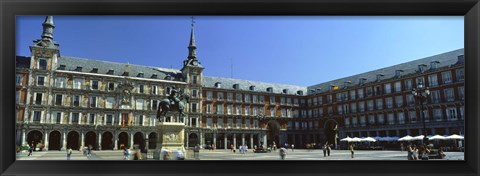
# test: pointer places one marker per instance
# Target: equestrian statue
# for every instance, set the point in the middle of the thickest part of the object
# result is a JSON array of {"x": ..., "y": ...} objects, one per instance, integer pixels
[{"x": 175, "y": 101}]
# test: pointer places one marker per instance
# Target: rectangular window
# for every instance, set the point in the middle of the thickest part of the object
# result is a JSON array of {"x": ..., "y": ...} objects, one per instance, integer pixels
[
  {"x": 449, "y": 94},
  {"x": 289, "y": 101},
  {"x": 109, "y": 102},
  {"x": 451, "y": 113},
  {"x": 378, "y": 90},
  {"x": 229, "y": 110},
  {"x": 58, "y": 99},
  {"x": 272, "y": 100},
  {"x": 347, "y": 122},
  {"x": 76, "y": 100},
  {"x": 194, "y": 93},
  {"x": 238, "y": 123},
  {"x": 435, "y": 96},
  {"x": 353, "y": 107},
  {"x": 193, "y": 107},
  {"x": 282, "y": 100},
  {"x": 432, "y": 80},
  {"x": 255, "y": 98},
  {"x": 398, "y": 86},
  {"x": 247, "y": 123},
  {"x": 247, "y": 110},
  {"x": 295, "y": 101},
  {"x": 91, "y": 119},
  {"x": 42, "y": 65},
  {"x": 219, "y": 96},
  {"x": 262, "y": 99},
  {"x": 60, "y": 82},
  {"x": 363, "y": 121},
  {"x": 209, "y": 123},
  {"x": 410, "y": 100},
  {"x": 111, "y": 86},
  {"x": 37, "y": 116},
  {"x": 399, "y": 101},
  {"x": 447, "y": 77},
  {"x": 370, "y": 105},
  {"x": 75, "y": 117},
  {"x": 391, "y": 119},
  {"x": 220, "y": 109},
  {"x": 426, "y": 115},
  {"x": 272, "y": 113},
  {"x": 371, "y": 119},
  {"x": 408, "y": 84},
  {"x": 93, "y": 102},
  {"x": 379, "y": 104},
  {"x": 40, "y": 80},
  {"x": 381, "y": 119},
  {"x": 141, "y": 88},
  {"x": 229, "y": 123},
  {"x": 39, "y": 98},
  {"x": 369, "y": 91},
  {"x": 209, "y": 95},
  {"x": 388, "y": 88},
  {"x": 229, "y": 96},
  {"x": 94, "y": 85},
  {"x": 194, "y": 79},
  {"x": 58, "y": 118},
  {"x": 460, "y": 74},
  {"x": 154, "y": 90},
  {"x": 352, "y": 95},
  {"x": 17, "y": 97},
  {"x": 437, "y": 114},
  {"x": 139, "y": 104},
  {"x": 209, "y": 108},
  {"x": 360, "y": 93},
  {"x": 255, "y": 123},
  {"x": 461, "y": 93},
  {"x": 462, "y": 112},
  {"x": 18, "y": 79},
  {"x": 389, "y": 102},
  {"x": 109, "y": 119},
  {"x": 238, "y": 97},
  {"x": 361, "y": 106},
  {"x": 401, "y": 118},
  {"x": 255, "y": 111},
  {"x": 354, "y": 121},
  {"x": 77, "y": 83},
  {"x": 413, "y": 116}
]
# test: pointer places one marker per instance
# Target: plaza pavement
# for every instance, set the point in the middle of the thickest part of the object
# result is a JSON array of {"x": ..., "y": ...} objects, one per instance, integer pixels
[{"x": 221, "y": 154}]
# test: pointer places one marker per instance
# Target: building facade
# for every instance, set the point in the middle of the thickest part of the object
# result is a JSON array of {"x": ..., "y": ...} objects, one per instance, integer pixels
[{"x": 72, "y": 102}]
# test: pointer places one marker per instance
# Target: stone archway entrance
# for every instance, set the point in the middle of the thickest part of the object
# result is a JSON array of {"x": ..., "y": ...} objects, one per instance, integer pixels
[
  {"x": 107, "y": 141},
  {"x": 72, "y": 140},
  {"x": 54, "y": 140},
  {"x": 34, "y": 137},
  {"x": 273, "y": 133},
  {"x": 122, "y": 140},
  {"x": 152, "y": 141},
  {"x": 331, "y": 132},
  {"x": 139, "y": 140},
  {"x": 90, "y": 140},
  {"x": 192, "y": 140}
]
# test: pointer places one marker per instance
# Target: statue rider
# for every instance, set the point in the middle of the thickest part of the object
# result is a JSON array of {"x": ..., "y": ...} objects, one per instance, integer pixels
[{"x": 173, "y": 97}]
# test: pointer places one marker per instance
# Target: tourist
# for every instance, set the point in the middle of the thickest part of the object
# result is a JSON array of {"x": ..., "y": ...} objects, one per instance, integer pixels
[
  {"x": 325, "y": 150},
  {"x": 30, "y": 150},
  {"x": 328, "y": 149},
  {"x": 293, "y": 146},
  {"x": 69, "y": 153},
  {"x": 441, "y": 153},
  {"x": 425, "y": 151},
  {"x": 352, "y": 150},
  {"x": 415, "y": 152},
  {"x": 283, "y": 153},
  {"x": 410, "y": 152},
  {"x": 126, "y": 153}
]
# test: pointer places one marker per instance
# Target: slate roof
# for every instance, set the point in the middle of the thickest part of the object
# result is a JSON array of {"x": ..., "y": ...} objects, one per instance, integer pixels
[
  {"x": 445, "y": 60},
  {"x": 227, "y": 83},
  {"x": 71, "y": 64},
  {"x": 22, "y": 62}
]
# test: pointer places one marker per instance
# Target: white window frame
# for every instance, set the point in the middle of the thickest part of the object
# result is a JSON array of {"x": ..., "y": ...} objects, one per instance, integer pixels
[
  {"x": 38, "y": 79},
  {"x": 107, "y": 102},
  {"x": 18, "y": 79},
  {"x": 91, "y": 84},
  {"x": 77, "y": 84}
]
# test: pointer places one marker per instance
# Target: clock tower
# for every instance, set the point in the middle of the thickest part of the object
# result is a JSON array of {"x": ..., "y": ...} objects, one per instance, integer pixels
[{"x": 192, "y": 72}]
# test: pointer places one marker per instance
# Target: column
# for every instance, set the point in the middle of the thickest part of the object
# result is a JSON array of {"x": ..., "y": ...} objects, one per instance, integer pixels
[
  {"x": 243, "y": 139},
  {"x": 234, "y": 140},
  {"x": 265, "y": 140},
  {"x": 23, "y": 138},
  {"x": 202, "y": 138},
  {"x": 115, "y": 147},
  {"x": 186, "y": 138},
  {"x": 131, "y": 140},
  {"x": 251, "y": 141},
  {"x": 146, "y": 141},
  {"x": 45, "y": 141},
  {"x": 64, "y": 140},
  {"x": 215, "y": 139},
  {"x": 99, "y": 141},
  {"x": 82, "y": 142},
  {"x": 225, "y": 141}
]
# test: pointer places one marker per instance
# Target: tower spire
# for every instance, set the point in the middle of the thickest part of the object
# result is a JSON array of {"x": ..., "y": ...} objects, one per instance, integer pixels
[
  {"x": 48, "y": 28},
  {"x": 192, "y": 48}
]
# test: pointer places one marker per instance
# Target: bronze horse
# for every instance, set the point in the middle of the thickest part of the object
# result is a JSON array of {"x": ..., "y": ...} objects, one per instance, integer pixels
[{"x": 165, "y": 106}]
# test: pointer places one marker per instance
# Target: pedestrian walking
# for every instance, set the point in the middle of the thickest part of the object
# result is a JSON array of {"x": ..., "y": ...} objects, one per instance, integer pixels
[
  {"x": 410, "y": 152},
  {"x": 126, "y": 153},
  {"x": 30, "y": 150},
  {"x": 69, "y": 153},
  {"x": 415, "y": 152},
  {"x": 293, "y": 146},
  {"x": 352, "y": 150},
  {"x": 89, "y": 150},
  {"x": 328, "y": 149},
  {"x": 283, "y": 153},
  {"x": 325, "y": 150},
  {"x": 425, "y": 152}
]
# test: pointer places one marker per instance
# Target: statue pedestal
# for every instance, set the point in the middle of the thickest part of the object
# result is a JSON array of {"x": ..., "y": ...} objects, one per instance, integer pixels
[{"x": 170, "y": 139}]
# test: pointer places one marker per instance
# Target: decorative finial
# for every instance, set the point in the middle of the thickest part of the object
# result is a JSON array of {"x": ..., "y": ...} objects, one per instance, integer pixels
[{"x": 193, "y": 20}]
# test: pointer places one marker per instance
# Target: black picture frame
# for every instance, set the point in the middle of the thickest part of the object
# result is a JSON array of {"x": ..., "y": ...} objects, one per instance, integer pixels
[{"x": 470, "y": 9}]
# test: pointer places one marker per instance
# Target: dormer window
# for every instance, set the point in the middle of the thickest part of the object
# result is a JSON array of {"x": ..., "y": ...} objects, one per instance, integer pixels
[
  {"x": 236, "y": 86},
  {"x": 398, "y": 73},
  {"x": 79, "y": 69},
  {"x": 154, "y": 76},
  {"x": 94, "y": 70},
  {"x": 346, "y": 83},
  {"x": 270, "y": 89},
  {"x": 318, "y": 90},
  {"x": 361, "y": 81},
  {"x": 421, "y": 68},
  {"x": 218, "y": 84},
  {"x": 62, "y": 67},
  {"x": 252, "y": 88},
  {"x": 110, "y": 72},
  {"x": 42, "y": 65},
  {"x": 460, "y": 59},
  {"x": 125, "y": 74},
  {"x": 433, "y": 65},
  {"x": 300, "y": 92},
  {"x": 285, "y": 91},
  {"x": 140, "y": 75},
  {"x": 379, "y": 77},
  {"x": 312, "y": 91}
]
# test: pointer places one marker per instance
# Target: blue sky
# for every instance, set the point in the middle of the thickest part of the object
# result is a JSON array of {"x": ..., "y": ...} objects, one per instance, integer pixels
[{"x": 296, "y": 50}]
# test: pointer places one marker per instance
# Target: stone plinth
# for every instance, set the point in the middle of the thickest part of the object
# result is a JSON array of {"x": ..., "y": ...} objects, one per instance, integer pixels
[{"x": 170, "y": 139}]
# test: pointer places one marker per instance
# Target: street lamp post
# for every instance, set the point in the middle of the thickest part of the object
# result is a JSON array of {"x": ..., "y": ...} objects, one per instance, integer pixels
[{"x": 422, "y": 93}]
